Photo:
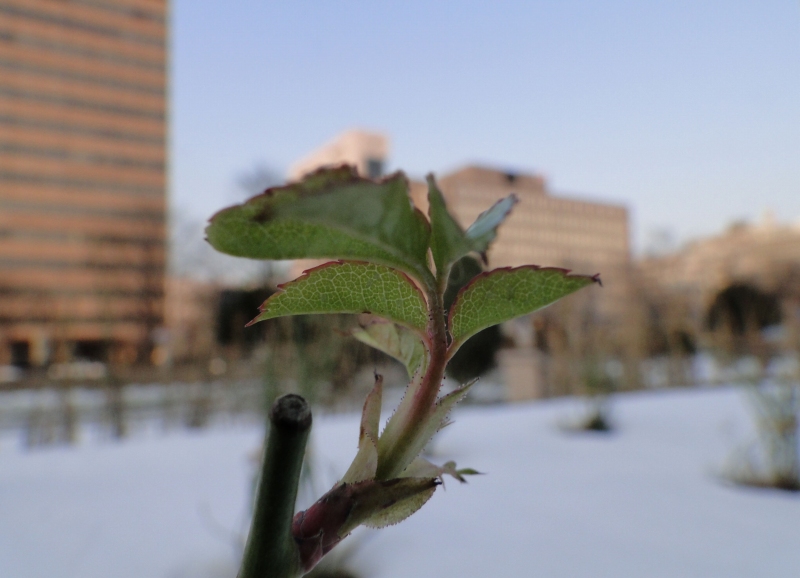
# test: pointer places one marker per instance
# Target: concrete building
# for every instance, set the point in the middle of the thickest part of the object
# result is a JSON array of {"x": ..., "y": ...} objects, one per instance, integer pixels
[
  {"x": 367, "y": 151},
  {"x": 544, "y": 229},
  {"x": 763, "y": 256},
  {"x": 82, "y": 179}
]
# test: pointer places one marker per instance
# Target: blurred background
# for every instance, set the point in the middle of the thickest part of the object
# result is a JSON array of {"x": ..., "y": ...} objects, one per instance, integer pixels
[{"x": 657, "y": 144}]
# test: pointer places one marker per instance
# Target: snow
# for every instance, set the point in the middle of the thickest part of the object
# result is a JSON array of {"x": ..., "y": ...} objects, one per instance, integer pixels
[{"x": 645, "y": 500}]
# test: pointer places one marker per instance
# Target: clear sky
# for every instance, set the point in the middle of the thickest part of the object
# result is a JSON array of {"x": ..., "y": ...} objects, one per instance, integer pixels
[{"x": 688, "y": 112}]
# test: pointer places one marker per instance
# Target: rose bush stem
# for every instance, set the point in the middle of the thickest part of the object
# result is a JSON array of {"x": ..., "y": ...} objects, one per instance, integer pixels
[{"x": 271, "y": 550}]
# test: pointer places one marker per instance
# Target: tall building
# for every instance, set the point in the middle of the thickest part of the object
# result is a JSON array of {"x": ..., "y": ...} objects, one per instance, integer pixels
[{"x": 82, "y": 179}]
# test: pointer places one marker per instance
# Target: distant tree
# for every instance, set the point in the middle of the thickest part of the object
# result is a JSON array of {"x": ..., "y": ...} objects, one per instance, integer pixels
[
  {"x": 191, "y": 256},
  {"x": 256, "y": 180}
]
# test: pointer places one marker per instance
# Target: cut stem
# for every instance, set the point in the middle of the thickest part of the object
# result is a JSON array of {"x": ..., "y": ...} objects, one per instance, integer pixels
[{"x": 271, "y": 550}]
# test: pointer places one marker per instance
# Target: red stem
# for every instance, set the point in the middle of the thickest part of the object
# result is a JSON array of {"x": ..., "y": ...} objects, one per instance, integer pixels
[{"x": 392, "y": 462}]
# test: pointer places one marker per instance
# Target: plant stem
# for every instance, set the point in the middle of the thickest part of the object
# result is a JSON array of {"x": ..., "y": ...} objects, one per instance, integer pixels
[
  {"x": 437, "y": 334},
  {"x": 393, "y": 460},
  {"x": 271, "y": 550}
]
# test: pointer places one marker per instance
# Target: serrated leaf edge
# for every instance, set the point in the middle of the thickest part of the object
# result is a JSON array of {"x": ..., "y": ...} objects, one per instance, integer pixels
[
  {"x": 308, "y": 272},
  {"x": 453, "y": 310},
  {"x": 365, "y": 463},
  {"x": 343, "y": 175}
]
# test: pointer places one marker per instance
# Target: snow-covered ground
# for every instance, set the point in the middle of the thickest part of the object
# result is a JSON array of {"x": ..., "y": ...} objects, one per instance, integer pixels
[{"x": 644, "y": 501}]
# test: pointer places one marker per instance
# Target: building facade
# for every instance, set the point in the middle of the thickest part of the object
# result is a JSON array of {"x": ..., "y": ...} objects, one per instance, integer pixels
[
  {"x": 742, "y": 266},
  {"x": 547, "y": 230},
  {"x": 367, "y": 151},
  {"x": 82, "y": 179}
]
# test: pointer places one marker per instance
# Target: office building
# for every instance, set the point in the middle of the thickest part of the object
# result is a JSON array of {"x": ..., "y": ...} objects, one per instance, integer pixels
[
  {"x": 585, "y": 236},
  {"x": 82, "y": 179}
]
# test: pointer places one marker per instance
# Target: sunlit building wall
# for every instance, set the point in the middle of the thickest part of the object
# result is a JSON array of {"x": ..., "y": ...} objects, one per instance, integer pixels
[
  {"x": 367, "y": 151},
  {"x": 587, "y": 237},
  {"x": 82, "y": 178},
  {"x": 764, "y": 255}
]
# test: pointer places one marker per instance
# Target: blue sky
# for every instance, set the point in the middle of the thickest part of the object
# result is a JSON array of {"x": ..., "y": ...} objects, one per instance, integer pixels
[{"x": 688, "y": 112}]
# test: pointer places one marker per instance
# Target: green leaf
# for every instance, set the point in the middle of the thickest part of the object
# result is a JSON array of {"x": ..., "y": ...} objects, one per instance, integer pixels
[
  {"x": 366, "y": 461},
  {"x": 504, "y": 294},
  {"x": 383, "y": 503},
  {"x": 449, "y": 242},
  {"x": 424, "y": 427},
  {"x": 331, "y": 214},
  {"x": 484, "y": 230},
  {"x": 395, "y": 340},
  {"x": 350, "y": 287},
  {"x": 422, "y": 468}
]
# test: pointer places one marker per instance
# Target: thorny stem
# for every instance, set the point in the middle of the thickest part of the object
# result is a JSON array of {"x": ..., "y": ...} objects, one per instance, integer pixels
[
  {"x": 271, "y": 550},
  {"x": 317, "y": 530},
  {"x": 437, "y": 334},
  {"x": 390, "y": 465}
]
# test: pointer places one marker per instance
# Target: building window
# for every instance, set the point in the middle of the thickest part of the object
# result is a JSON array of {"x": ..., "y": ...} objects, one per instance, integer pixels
[
  {"x": 20, "y": 354},
  {"x": 374, "y": 168},
  {"x": 90, "y": 350}
]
